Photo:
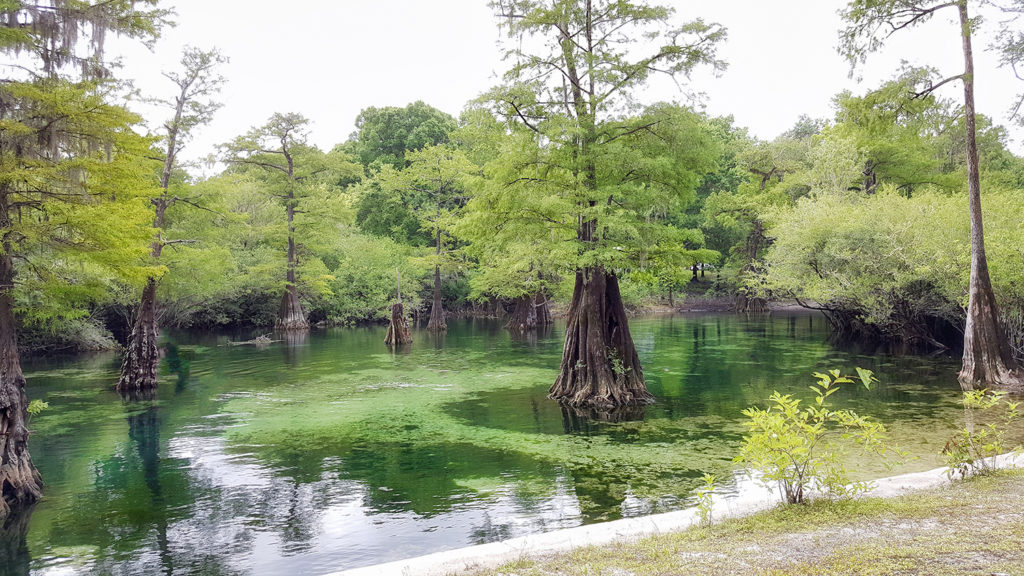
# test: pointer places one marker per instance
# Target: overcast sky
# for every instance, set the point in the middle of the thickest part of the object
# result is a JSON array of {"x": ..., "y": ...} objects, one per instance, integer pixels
[{"x": 329, "y": 59}]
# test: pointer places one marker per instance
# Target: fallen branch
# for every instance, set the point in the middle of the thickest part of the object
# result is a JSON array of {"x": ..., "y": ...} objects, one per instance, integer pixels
[{"x": 262, "y": 340}]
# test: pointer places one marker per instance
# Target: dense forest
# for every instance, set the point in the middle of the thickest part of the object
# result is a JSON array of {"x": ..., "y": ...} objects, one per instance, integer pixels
[{"x": 559, "y": 191}]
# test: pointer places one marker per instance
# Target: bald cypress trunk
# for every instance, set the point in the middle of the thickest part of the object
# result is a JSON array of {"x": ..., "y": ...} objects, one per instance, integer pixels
[
  {"x": 988, "y": 360},
  {"x": 398, "y": 328},
  {"x": 291, "y": 316},
  {"x": 141, "y": 356},
  {"x": 524, "y": 316},
  {"x": 437, "y": 322},
  {"x": 531, "y": 311},
  {"x": 600, "y": 368},
  {"x": 19, "y": 479},
  {"x": 541, "y": 305}
]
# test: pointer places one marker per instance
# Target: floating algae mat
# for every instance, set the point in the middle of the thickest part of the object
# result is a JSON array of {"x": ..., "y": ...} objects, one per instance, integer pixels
[{"x": 329, "y": 451}]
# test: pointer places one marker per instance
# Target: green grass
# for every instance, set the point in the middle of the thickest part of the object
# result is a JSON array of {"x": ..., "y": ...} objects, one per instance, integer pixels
[{"x": 972, "y": 527}]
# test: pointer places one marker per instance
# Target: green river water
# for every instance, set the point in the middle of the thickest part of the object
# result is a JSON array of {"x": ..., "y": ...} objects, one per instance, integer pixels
[{"x": 330, "y": 451}]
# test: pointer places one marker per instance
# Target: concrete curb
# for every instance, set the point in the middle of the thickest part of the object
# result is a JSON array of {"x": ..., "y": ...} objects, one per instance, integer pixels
[{"x": 751, "y": 498}]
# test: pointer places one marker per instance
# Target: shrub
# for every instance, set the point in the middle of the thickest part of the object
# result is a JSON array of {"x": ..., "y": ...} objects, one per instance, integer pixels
[
  {"x": 974, "y": 448},
  {"x": 792, "y": 445}
]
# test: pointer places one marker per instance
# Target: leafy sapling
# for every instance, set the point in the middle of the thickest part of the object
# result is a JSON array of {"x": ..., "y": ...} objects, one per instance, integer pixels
[
  {"x": 704, "y": 500},
  {"x": 35, "y": 407},
  {"x": 794, "y": 447}
]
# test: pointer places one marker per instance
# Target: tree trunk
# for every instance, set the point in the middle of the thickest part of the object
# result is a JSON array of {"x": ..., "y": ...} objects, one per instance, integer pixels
[
  {"x": 398, "y": 329},
  {"x": 20, "y": 482},
  {"x": 531, "y": 312},
  {"x": 437, "y": 322},
  {"x": 141, "y": 355},
  {"x": 524, "y": 317},
  {"x": 291, "y": 316},
  {"x": 988, "y": 360},
  {"x": 540, "y": 303},
  {"x": 600, "y": 367},
  {"x": 870, "y": 178}
]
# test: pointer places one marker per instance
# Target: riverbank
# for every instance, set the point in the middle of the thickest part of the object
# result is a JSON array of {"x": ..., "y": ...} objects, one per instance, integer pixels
[
  {"x": 974, "y": 527},
  {"x": 918, "y": 523}
]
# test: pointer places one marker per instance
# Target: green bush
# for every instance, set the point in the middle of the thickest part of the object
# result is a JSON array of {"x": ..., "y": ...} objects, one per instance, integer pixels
[
  {"x": 792, "y": 445},
  {"x": 974, "y": 448},
  {"x": 891, "y": 264}
]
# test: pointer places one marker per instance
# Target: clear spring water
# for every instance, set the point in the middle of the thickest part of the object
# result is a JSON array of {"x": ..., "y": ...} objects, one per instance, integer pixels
[{"x": 329, "y": 451}]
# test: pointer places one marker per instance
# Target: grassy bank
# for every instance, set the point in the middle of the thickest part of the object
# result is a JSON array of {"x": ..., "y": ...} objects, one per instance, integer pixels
[{"x": 972, "y": 527}]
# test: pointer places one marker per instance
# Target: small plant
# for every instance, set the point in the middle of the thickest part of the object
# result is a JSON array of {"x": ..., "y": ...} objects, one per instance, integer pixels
[
  {"x": 35, "y": 407},
  {"x": 975, "y": 447},
  {"x": 704, "y": 499},
  {"x": 617, "y": 366},
  {"x": 790, "y": 444}
]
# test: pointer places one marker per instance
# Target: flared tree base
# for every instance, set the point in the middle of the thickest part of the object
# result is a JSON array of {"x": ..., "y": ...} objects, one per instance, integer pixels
[
  {"x": 600, "y": 368},
  {"x": 398, "y": 329},
  {"x": 291, "y": 316},
  {"x": 988, "y": 360},
  {"x": 141, "y": 355},
  {"x": 530, "y": 312},
  {"x": 20, "y": 481},
  {"x": 437, "y": 322}
]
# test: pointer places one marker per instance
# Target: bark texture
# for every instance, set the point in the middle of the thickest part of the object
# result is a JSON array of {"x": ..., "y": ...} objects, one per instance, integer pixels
[
  {"x": 291, "y": 316},
  {"x": 141, "y": 356},
  {"x": 530, "y": 313},
  {"x": 988, "y": 360},
  {"x": 398, "y": 329},
  {"x": 437, "y": 322},
  {"x": 20, "y": 482},
  {"x": 600, "y": 367}
]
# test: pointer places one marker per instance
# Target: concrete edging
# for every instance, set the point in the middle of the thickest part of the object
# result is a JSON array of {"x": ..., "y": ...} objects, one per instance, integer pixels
[{"x": 751, "y": 499}]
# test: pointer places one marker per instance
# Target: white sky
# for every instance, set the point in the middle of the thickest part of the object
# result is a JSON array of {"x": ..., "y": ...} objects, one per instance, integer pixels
[{"x": 329, "y": 59}]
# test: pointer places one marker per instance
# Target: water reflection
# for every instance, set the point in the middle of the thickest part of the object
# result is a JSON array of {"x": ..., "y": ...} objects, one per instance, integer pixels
[
  {"x": 532, "y": 337},
  {"x": 577, "y": 419},
  {"x": 15, "y": 558},
  {"x": 294, "y": 345},
  {"x": 179, "y": 365}
]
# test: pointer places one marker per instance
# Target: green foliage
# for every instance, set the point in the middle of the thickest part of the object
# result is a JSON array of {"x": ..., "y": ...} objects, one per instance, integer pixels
[
  {"x": 76, "y": 180},
  {"x": 386, "y": 134},
  {"x": 363, "y": 281},
  {"x": 35, "y": 407},
  {"x": 974, "y": 449},
  {"x": 384, "y": 212},
  {"x": 892, "y": 262},
  {"x": 704, "y": 499},
  {"x": 790, "y": 445}
]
